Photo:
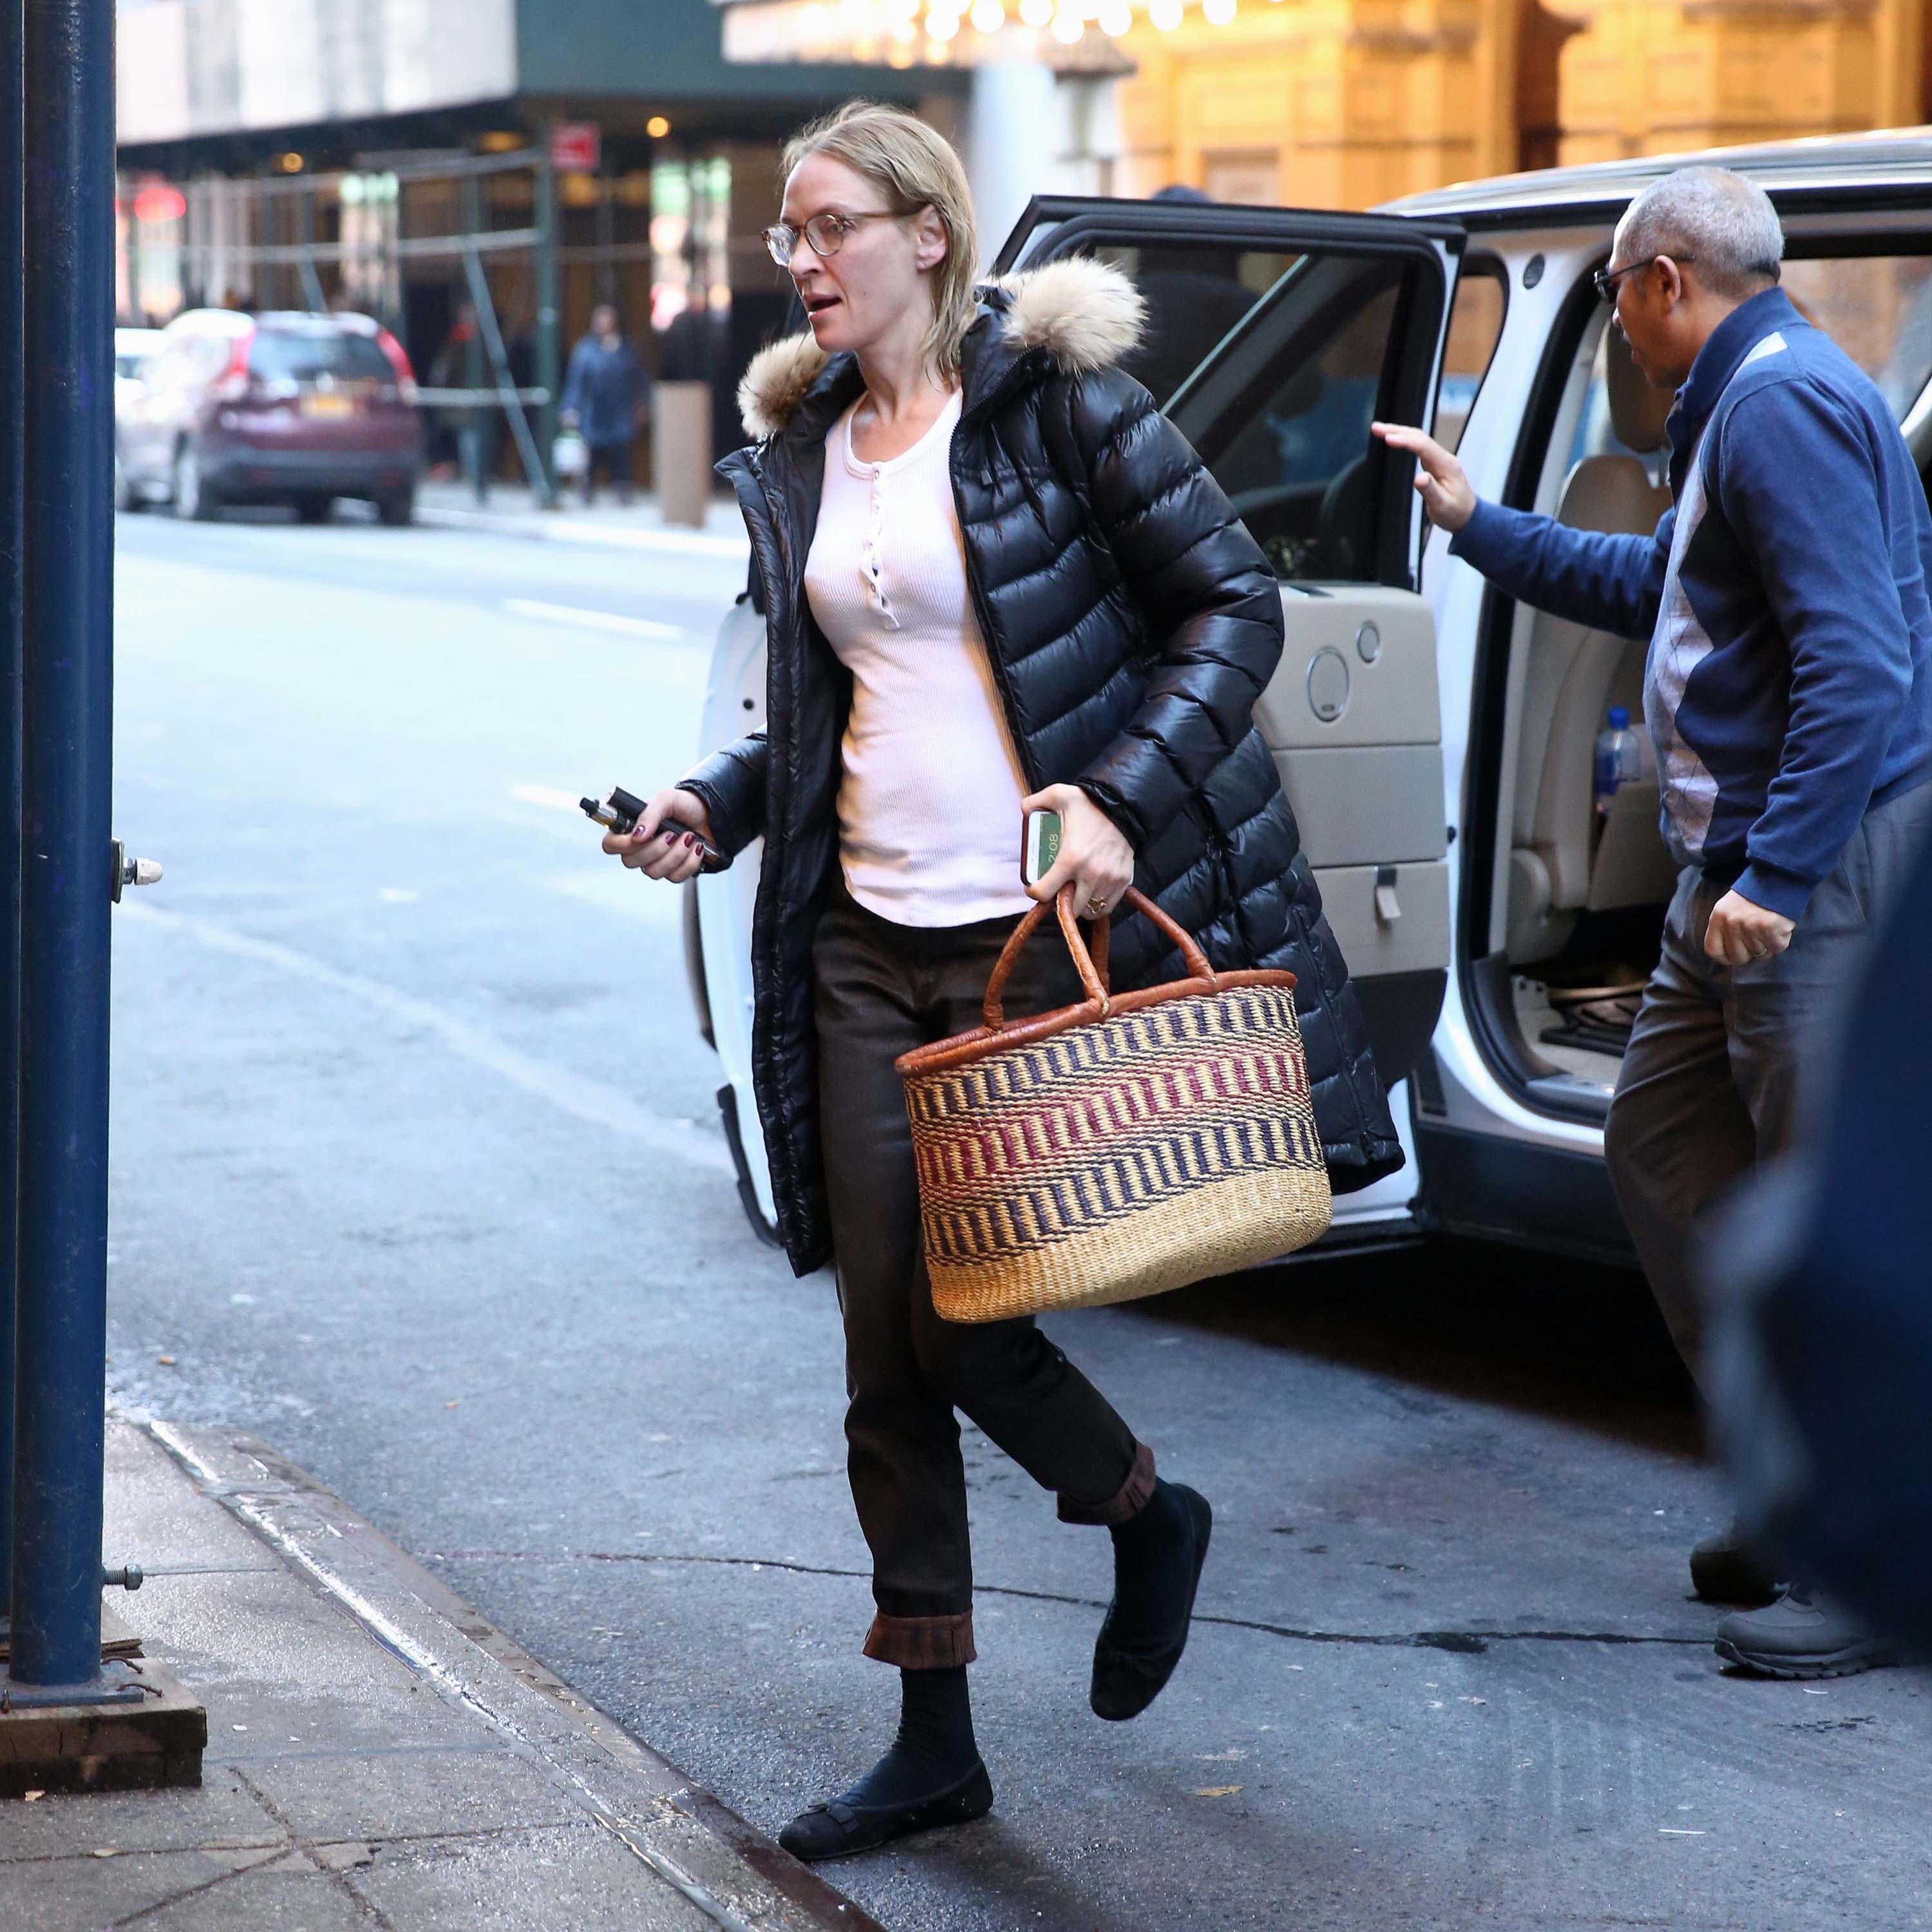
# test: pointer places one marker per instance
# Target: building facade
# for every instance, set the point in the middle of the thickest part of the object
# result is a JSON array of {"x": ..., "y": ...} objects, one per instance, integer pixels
[
  {"x": 1344, "y": 103},
  {"x": 311, "y": 154}
]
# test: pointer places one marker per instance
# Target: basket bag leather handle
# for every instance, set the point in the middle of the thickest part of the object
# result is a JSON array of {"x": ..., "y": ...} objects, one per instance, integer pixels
[{"x": 1093, "y": 977}]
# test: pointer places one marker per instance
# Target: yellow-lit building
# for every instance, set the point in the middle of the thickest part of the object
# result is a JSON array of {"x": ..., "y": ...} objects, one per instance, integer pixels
[{"x": 1347, "y": 102}]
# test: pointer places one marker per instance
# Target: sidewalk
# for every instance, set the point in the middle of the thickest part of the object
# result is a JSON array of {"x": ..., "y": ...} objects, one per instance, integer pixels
[
  {"x": 511, "y": 510},
  {"x": 377, "y": 1755}
]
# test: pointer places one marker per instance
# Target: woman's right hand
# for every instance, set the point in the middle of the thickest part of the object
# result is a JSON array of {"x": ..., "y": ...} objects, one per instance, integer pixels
[{"x": 662, "y": 847}]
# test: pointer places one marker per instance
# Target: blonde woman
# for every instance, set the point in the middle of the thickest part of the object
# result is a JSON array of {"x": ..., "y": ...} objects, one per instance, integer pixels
[{"x": 996, "y": 579}]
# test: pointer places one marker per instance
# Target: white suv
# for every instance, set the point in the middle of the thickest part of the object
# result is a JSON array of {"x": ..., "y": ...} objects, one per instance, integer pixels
[{"x": 1436, "y": 738}]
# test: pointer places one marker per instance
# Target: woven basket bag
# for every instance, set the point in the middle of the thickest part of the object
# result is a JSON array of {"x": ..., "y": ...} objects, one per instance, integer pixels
[{"x": 1126, "y": 1145}]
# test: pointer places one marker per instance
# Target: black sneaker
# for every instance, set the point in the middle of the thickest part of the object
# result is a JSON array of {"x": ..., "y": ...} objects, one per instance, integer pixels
[
  {"x": 1802, "y": 1635},
  {"x": 1723, "y": 1570},
  {"x": 836, "y": 1829}
]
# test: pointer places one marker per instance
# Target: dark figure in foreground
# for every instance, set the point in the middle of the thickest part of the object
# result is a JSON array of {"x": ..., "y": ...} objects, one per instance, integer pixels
[{"x": 1822, "y": 1352}]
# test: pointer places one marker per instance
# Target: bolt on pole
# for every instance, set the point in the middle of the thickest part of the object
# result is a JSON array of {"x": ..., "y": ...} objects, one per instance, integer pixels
[
  {"x": 12, "y": 363},
  {"x": 66, "y": 862}
]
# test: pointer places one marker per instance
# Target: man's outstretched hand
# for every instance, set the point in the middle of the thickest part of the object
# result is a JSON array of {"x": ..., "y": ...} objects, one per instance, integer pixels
[{"x": 1439, "y": 479}]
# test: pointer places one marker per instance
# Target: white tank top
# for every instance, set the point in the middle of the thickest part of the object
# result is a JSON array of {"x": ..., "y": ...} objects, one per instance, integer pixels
[{"x": 929, "y": 804}]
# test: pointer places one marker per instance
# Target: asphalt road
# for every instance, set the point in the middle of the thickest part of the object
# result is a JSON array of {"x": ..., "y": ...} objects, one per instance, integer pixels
[{"x": 417, "y": 1175}]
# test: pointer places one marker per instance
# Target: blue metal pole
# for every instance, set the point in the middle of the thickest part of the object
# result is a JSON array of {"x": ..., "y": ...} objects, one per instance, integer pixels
[
  {"x": 66, "y": 864},
  {"x": 12, "y": 361}
]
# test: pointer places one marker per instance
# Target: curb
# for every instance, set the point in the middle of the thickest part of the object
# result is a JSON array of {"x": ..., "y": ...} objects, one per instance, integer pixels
[
  {"x": 554, "y": 528},
  {"x": 726, "y": 1867}
]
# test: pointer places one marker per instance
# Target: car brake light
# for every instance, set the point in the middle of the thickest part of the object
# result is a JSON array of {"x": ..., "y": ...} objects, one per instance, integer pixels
[
  {"x": 399, "y": 361},
  {"x": 232, "y": 385}
]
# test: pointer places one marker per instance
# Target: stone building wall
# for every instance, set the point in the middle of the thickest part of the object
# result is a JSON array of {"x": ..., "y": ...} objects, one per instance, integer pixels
[{"x": 1343, "y": 103}]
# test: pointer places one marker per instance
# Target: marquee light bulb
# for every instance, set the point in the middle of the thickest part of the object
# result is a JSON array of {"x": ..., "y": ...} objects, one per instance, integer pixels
[
  {"x": 1067, "y": 25},
  {"x": 1036, "y": 13},
  {"x": 1116, "y": 18},
  {"x": 988, "y": 16},
  {"x": 1164, "y": 14},
  {"x": 1217, "y": 13}
]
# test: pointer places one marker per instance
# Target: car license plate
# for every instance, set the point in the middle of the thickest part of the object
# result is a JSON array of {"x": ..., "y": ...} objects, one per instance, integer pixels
[{"x": 334, "y": 408}]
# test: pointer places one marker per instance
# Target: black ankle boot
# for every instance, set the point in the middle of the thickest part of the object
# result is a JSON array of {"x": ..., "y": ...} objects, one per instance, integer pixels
[
  {"x": 932, "y": 1776},
  {"x": 1157, "y": 1559}
]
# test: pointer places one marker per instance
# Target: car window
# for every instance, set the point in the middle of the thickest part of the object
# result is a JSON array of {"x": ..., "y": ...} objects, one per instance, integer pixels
[
  {"x": 290, "y": 355},
  {"x": 1281, "y": 416},
  {"x": 1194, "y": 296},
  {"x": 1877, "y": 308},
  {"x": 1475, "y": 328},
  {"x": 1299, "y": 352}
]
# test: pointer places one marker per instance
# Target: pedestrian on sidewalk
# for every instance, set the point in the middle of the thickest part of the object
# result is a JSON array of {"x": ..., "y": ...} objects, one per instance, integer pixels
[
  {"x": 1784, "y": 596},
  {"x": 995, "y": 579},
  {"x": 606, "y": 399}
]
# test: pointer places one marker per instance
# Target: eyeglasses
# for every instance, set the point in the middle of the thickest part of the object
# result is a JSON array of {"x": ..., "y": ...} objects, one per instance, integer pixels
[
  {"x": 1607, "y": 279},
  {"x": 826, "y": 233}
]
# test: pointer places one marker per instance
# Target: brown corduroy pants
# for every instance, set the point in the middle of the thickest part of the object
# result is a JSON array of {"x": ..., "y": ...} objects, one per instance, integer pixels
[{"x": 883, "y": 988}]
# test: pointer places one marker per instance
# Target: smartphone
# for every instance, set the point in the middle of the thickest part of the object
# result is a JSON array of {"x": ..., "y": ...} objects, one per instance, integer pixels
[
  {"x": 620, "y": 811},
  {"x": 1040, "y": 846}
]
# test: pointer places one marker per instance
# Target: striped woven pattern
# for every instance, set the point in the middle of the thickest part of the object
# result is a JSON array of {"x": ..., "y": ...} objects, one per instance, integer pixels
[{"x": 1120, "y": 1158}]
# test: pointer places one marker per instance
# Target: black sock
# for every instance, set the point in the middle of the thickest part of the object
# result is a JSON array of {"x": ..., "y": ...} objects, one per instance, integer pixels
[
  {"x": 934, "y": 1748},
  {"x": 1154, "y": 1574}
]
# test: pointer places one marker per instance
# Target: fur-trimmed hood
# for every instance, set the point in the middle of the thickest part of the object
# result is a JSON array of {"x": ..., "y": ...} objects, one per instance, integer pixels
[{"x": 1084, "y": 315}]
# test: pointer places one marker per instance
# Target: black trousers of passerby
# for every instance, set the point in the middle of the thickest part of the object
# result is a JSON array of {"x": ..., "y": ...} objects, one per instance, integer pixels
[
  {"x": 615, "y": 460},
  {"x": 883, "y": 989}
]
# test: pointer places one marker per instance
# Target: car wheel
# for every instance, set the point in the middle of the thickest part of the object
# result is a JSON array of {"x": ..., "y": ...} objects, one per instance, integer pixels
[
  {"x": 126, "y": 496},
  {"x": 397, "y": 507},
  {"x": 193, "y": 498},
  {"x": 314, "y": 509}
]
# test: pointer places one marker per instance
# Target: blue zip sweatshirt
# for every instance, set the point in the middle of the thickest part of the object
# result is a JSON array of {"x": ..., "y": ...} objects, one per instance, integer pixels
[{"x": 1785, "y": 598}]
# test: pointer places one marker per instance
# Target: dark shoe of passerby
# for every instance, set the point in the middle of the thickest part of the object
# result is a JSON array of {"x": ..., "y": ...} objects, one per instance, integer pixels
[
  {"x": 1803, "y": 1634},
  {"x": 1724, "y": 1570},
  {"x": 931, "y": 1776},
  {"x": 1157, "y": 1559}
]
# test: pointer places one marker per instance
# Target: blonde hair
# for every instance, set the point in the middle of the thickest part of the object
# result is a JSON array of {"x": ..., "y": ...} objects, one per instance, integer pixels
[{"x": 914, "y": 167}]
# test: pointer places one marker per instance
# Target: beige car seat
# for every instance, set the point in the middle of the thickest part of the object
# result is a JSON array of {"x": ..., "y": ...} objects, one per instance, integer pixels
[{"x": 1574, "y": 675}]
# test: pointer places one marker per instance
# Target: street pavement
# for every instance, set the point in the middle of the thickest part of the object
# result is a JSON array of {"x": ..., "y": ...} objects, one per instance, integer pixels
[{"x": 418, "y": 1177}]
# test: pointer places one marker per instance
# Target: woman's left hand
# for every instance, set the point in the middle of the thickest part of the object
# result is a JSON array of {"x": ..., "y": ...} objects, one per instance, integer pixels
[{"x": 1094, "y": 856}]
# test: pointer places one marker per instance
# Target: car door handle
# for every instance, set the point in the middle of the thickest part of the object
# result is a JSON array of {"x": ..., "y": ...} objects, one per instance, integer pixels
[{"x": 1388, "y": 909}]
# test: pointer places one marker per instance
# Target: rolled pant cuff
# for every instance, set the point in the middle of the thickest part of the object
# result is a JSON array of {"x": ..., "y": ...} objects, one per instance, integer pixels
[
  {"x": 922, "y": 1643},
  {"x": 1126, "y": 1502}
]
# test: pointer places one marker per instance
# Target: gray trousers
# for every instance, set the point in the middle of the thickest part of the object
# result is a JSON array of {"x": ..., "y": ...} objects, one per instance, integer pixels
[{"x": 1725, "y": 1061}]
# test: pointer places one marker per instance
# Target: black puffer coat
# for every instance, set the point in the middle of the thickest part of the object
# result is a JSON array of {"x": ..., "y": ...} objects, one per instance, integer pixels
[{"x": 1132, "y": 623}]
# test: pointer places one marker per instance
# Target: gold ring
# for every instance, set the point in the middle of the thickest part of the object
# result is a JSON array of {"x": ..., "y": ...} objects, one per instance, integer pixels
[{"x": 1096, "y": 905}]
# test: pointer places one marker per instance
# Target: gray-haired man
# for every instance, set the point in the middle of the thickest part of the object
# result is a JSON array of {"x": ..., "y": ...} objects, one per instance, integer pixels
[{"x": 1789, "y": 693}]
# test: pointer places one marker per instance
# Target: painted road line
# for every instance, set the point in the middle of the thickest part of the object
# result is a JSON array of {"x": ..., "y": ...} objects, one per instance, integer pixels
[{"x": 612, "y": 622}]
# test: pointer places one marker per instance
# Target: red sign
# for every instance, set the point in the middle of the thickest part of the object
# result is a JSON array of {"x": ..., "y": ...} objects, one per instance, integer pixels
[{"x": 575, "y": 147}]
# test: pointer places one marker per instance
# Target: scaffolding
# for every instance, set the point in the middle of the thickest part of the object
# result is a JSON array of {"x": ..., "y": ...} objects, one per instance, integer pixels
[{"x": 338, "y": 240}]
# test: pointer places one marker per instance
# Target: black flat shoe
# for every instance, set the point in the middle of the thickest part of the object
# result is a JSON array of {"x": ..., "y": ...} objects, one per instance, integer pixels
[
  {"x": 1125, "y": 1681},
  {"x": 836, "y": 1829}
]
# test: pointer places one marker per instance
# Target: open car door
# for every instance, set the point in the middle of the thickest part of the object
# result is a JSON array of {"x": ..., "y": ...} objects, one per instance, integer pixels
[{"x": 1275, "y": 337}]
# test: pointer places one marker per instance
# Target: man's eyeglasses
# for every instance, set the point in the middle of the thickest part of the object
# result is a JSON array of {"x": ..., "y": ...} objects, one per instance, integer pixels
[
  {"x": 825, "y": 232},
  {"x": 1607, "y": 279}
]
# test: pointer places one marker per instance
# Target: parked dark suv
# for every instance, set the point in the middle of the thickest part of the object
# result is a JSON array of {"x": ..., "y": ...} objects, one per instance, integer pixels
[{"x": 278, "y": 408}]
